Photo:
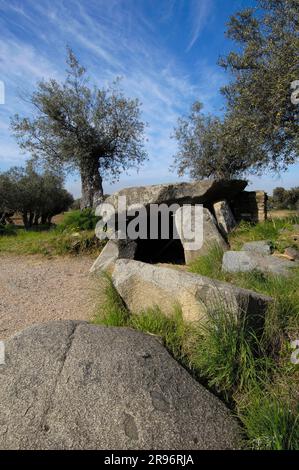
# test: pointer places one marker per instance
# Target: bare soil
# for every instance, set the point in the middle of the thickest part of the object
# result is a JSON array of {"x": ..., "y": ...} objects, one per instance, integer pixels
[{"x": 35, "y": 289}]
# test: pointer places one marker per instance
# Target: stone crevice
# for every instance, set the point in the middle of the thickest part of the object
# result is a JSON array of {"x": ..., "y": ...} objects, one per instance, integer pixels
[{"x": 65, "y": 354}]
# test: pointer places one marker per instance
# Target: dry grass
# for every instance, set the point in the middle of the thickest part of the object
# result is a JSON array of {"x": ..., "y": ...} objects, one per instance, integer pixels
[{"x": 282, "y": 214}]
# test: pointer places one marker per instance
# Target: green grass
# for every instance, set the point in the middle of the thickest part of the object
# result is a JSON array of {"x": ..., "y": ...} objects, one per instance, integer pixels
[
  {"x": 49, "y": 242},
  {"x": 251, "y": 372},
  {"x": 230, "y": 359},
  {"x": 269, "y": 422},
  {"x": 278, "y": 231},
  {"x": 74, "y": 235}
]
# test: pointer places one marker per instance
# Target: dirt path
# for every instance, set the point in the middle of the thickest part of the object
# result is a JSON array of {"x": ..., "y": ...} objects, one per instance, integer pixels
[{"x": 35, "y": 289}]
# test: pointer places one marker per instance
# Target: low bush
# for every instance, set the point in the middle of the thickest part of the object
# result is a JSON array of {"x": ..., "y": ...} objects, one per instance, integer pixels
[
  {"x": 79, "y": 220},
  {"x": 8, "y": 229}
]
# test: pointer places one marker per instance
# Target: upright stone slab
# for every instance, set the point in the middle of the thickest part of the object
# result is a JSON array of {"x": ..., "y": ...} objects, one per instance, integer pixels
[
  {"x": 211, "y": 235},
  {"x": 250, "y": 206},
  {"x": 224, "y": 216},
  {"x": 113, "y": 250}
]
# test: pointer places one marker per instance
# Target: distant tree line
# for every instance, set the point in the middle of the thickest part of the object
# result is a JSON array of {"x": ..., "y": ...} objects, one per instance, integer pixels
[
  {"x": 36, "y": 197},
  {"x": 285, "y": 198}
]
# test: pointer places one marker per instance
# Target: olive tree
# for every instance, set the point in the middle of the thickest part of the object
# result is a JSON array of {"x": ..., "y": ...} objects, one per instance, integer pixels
[
  {"x": 209, "y": 147},
  {"x": 264, "y": 68},
  {"x": 260, "y": 125},
  {"x": 97, "y": 132},
  {"x": 36, "y": 197}
]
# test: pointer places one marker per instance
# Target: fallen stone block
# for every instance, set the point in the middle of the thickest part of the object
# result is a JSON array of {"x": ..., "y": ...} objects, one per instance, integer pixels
[
  {"x": 292, "y": 253},
  {"x": 246, "y": 261},
  {"x": 143, "y": 286},
  {"x": 262, "y": 247}
]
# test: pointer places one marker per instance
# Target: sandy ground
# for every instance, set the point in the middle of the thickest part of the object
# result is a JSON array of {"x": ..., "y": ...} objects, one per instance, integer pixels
[{"x": 35, "y": 289}]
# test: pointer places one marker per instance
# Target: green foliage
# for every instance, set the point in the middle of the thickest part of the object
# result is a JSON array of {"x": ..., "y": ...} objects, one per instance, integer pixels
[
  {"x": 263, "y": 67},
  {"x": 226, "y": 354},
  {"x": 269, "y": 422},
  {"x": 97, "y": 132},
  {"x": 79, "y": 220},
  {"x": 272, "y": 230},
  {"x": 37, "y": 197},
  {"x": 206, "y": 148},
  {"x": 210, "y": 264},
  {"x": 113, "y": 311},
  {"x": 285, "y": 198},
  {"x": 7, "y": 230},
  {"x": 259, "y": 129}
]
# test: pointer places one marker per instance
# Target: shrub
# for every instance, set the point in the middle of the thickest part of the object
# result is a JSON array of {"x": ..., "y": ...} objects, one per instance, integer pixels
[
  {"x": 8, "y": 229},
  {"x": 79, "y": 220}
]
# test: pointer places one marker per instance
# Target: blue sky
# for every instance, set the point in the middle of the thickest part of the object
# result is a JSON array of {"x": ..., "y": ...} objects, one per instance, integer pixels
[{"x": 166, "y": 52}]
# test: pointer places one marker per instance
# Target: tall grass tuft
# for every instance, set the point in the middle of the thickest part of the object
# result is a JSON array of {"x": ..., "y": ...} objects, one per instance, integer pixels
[
  {"x": 269, "y": 421},
  {"x": 226, "y": 354}
]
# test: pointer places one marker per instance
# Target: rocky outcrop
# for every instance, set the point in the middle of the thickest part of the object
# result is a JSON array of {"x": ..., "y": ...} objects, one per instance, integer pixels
[
  {"x": 224, "y": 216},
  {"x": 72, "y": 385},
  {"x": 143, "y": 285},
  {"x": 244, "y": 261}
]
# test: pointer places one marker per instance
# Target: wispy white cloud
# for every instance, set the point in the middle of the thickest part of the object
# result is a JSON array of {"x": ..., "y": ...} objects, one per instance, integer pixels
[
  {"x": 23, "y": 62},
  {"x": 200, "y": 10},
  {"x": 112, "y": 39}
]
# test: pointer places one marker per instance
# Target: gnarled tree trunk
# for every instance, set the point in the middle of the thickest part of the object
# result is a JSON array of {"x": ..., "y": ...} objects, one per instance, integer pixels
[{"x": 92, "y": 188}]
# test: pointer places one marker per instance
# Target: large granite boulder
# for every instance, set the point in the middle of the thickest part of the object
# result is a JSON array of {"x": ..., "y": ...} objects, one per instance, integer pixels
[
  {"x": 244, "y": 261},
  {"x": 224, "y": 216},
  {"x": 72, "y": 385},
  {"x": 200, "y": 192},
  {"x": 211, "y": 235},
  {"x": 143, "y": 285}
]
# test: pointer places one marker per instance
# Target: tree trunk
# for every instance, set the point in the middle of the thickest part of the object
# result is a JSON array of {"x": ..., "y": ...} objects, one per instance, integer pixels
[
  {"x": 92, "y": 188},
  {"x": 25, "y": 220},
  {"x": 44, "y": 219},
  {"x": 31, "y": 218},
  {"x": 36, "y": 218}
]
